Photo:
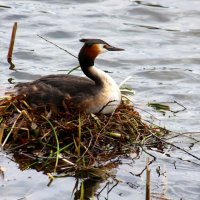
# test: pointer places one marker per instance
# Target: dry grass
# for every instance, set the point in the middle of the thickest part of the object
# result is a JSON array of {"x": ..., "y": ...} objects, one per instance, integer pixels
[{"x": 70, "y": 142}]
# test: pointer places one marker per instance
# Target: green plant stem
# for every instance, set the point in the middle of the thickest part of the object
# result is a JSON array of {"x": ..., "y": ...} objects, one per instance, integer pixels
[{"x": 57, "y": 142}]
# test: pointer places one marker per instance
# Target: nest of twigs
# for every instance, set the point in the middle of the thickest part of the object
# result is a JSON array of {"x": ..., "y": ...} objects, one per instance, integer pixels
[{"x": 70, "y": 141}]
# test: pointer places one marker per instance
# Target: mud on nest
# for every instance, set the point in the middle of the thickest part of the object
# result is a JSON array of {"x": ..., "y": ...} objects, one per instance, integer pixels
[{"x": 71, "y": 141}]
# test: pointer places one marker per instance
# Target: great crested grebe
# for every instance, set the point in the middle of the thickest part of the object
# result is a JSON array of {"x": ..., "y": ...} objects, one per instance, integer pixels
[{"x": 98, "y": 93}]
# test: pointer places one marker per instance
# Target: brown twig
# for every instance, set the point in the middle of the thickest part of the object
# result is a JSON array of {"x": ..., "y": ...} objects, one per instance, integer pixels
[
  {"x": 12, "y": 42},
  {"x": 148, "y": 180}
]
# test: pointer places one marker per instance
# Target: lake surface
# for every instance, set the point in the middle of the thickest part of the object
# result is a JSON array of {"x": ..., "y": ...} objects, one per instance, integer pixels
[{"x": 162, "y": 42}]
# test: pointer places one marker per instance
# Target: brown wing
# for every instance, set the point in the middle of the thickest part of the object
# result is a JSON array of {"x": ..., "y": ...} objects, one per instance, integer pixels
[{"x": 53, "y": 89}]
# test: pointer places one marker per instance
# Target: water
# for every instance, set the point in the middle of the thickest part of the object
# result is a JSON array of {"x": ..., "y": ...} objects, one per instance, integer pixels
[{"x": 162, "y": 45}]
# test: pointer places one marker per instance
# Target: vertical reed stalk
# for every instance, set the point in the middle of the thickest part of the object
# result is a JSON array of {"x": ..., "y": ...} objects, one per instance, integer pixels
[
  {"x": 12, "y": 42},
  {"x": 148, "y": 180},
  {"x": 79, "y": 135},
  {"x": 82, "y": 191},
  {"x": 57, "y": 142}
]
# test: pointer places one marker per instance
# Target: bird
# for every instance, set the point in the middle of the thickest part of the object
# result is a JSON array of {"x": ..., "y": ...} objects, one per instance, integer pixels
[{"x": 95, "y": 93}]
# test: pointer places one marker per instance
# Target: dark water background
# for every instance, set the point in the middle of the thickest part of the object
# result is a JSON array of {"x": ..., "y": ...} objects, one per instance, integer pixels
[{"x": 162, "y": 42}]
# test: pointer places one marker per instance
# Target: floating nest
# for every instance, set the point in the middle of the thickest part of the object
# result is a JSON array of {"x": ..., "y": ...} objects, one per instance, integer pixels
[{"x": 68, "y": 141}]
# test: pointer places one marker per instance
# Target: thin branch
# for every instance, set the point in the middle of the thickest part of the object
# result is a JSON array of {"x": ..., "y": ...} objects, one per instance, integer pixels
[
  {"x": 124, "y": 81},
  {"x": 150, "y": 162},
  {"x": 73, "y": 69},
  {"x": 11, "y": 130},
  {"x": 57, "y": 46},
  {"x": 107, "y": 104},
  {"x": 117, "y": 182},
  {"x": 169, "y": 143}
]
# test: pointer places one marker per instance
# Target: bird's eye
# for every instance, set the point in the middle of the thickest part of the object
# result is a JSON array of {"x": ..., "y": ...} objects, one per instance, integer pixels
[{"x": 105, "y": 46}]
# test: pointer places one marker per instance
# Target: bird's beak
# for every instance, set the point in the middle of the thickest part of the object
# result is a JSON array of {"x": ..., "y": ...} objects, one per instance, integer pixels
[{"x": 110, "y": 48}]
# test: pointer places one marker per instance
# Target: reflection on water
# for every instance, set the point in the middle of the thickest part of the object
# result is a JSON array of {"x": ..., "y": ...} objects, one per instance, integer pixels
[
  {"x": 162, "y": 54},
  {"x": 89, "y": 180}
]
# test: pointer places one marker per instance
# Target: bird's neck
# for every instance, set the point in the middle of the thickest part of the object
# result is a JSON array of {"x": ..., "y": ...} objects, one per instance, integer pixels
[{"x": 87, "y": 66}]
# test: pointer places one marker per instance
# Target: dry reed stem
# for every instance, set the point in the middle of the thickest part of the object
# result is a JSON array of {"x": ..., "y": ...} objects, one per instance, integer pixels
[
  {"x": 12, "y": 42},
  {"x": 148, "y": 180}
]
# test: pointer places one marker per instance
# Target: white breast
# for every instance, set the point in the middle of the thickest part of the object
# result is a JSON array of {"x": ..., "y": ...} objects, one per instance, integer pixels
[{"x": 109, "y": 97}]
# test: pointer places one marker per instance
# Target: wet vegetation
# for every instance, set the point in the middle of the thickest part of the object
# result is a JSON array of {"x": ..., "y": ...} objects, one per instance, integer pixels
[{"x": 71, "y": 142}]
